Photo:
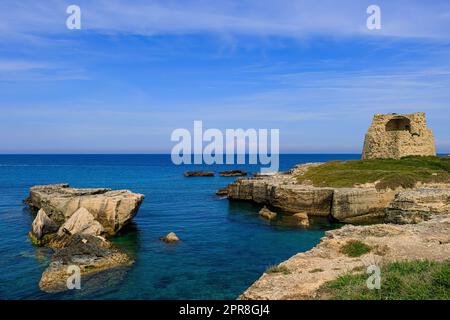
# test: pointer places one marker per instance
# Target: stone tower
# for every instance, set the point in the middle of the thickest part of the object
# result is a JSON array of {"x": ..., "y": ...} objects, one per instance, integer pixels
[{"x": 392, "y": 136}]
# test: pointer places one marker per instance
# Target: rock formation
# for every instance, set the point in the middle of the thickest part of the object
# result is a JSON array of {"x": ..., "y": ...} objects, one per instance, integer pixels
[
  {"x": 266, "y": 213},
  {"x": 233, "y": 173},
  {"x": 309, "y": 270},
  {"x": 199, "y": 173},
  {"x": 72, "y": 222},
  {"x": 170, "y": 238},
  {"x": 395, "y": 136},
  {"x": 111, "y": 208}
]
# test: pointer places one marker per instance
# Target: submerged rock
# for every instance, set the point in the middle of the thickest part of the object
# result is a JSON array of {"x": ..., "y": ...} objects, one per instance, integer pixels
[
  {"x": 199, "y": 173},
  {"x": 89, "y": 253},
  {"x": 233, "y": 173},
  {"x": 266, "y": 213},
  {"x": 111, "y": 208},
  {"x": 302, "y": 219},
  {"x": 170, "y": 238}
]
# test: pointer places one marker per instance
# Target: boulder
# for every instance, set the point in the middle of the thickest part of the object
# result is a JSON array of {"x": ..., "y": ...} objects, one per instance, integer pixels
[
  {"x": 199, "y": 173},
  {"x": 111, "y": 208},
  {"x": 266, "y": 213},
  {"x": 89, "y": 253},
  {"x": 233, "y": 173},
  {"x": 222, "y": 191},
  {"x": 81, "y": 222},
  {"x": 414, "y": 206},
  {"x": 42, "y": 226},
  {"x": 302, "y": 219},
  {"x": 170, "y": 238}
]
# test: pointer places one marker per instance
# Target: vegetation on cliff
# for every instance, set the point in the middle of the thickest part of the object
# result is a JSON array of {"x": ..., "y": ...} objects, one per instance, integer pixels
[
  {"x": 406, "y": 280},
  {"x": 388, "y": 173}
]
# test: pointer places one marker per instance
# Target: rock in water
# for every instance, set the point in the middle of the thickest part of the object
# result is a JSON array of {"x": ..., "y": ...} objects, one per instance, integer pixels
[
  {"x": 233, "y": 173},
  {"x": 42, "y": 225},
  {"x": 302, "y": 219},
  {"x": 82, "y": 222},
  {"x": 222, "y": 191},
  {"x": 170, "y": 237},
  {"x": 89, "y": 253},
  {"x": 199, "y": 173},
  {"x": 266, "y": 213},
  {"x": 112, "y": 208}
]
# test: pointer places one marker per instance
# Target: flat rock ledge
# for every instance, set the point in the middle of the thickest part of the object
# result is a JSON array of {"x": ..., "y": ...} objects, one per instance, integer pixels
[
  {"x": 349, "y": 205},
  {"x": 111, "y": 208},
  {"x": 310, "y": 270},
  {"x": 74, "y": 222}
]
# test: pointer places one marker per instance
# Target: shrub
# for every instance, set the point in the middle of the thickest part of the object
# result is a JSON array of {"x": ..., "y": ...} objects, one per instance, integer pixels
[
  {"x": 355, "y": 248},
  {"x": 278, "y": 269}
]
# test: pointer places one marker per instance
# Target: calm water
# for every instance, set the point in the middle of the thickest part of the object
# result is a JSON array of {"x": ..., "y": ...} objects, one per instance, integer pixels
[{"x": 225, "y": 245}]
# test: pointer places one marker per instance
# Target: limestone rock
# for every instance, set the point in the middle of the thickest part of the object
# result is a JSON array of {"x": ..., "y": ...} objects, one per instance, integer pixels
[
  {"x": 266, "y": 213},
  {"x": 222, "y": 191},
  {"x": 413, "y": 206},
  {"x": 170, "y": 238},
  {"x": 89, "y": 253},
  {"x": 81, "y": 222},
  {"x": 349, "y": 203},
  {"x": 42, "y": 225},
  {"x": 395, "y": 136},
  {"x": 302, "y": 219},
  {"x": 428, "y": 240},
  {"x": 112, "y": 208},
  {"x": 233, "y": 173},
  {"x": 199, "y": 173}
]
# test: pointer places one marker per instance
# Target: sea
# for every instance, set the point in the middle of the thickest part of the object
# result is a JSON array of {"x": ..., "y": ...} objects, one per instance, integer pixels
[{"x": 225, "y": 246}]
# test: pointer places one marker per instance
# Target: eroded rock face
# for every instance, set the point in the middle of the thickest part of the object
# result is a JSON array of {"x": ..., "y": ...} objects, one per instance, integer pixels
[
  {"x": 42, "y": 226},
  {"x": 81, "y": 222},
  {"x": 428, "y": 240},
  {"x": 111, "y": 208},
  {"x": 413, "y": 206},
  {"x": 89, "y": 253},
  {"x": 351, "y": 203}
]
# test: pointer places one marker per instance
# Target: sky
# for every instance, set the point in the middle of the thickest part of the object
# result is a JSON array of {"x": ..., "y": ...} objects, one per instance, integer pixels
[{"x": 138, "y": 70}]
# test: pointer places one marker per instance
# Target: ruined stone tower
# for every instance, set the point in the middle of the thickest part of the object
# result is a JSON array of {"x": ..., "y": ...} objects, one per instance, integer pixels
[{"x": 393, "y": 136}]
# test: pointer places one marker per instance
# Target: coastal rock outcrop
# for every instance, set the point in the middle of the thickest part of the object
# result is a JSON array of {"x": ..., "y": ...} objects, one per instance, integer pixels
[
  {"x": 233, "y": 173},
  {"x": 111, "y": 208},
  {"x": 308, "y": 271},
  {"x": 199, "y": 173},
  {"x": 413, "y": 206},
  {"x": 72, "y": 222},
  {"x": 171, "y": 237}
]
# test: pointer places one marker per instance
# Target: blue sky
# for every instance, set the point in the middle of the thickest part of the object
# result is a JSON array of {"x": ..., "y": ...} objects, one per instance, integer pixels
[{"x": 137, "y": 70}]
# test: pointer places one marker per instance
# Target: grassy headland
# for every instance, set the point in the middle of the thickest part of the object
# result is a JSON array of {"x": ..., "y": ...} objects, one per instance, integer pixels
[
  {"x": 413, "y": 280},
  {"x": 388, "y": 173}
]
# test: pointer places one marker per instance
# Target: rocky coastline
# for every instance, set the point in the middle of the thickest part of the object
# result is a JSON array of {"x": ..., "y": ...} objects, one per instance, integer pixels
[
  {"x": 76, "y": 223},
  {"x": 410, "y": 223}
]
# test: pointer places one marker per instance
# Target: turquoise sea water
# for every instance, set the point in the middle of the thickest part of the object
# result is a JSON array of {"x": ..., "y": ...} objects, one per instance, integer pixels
[{"x": 225, "y": 245}]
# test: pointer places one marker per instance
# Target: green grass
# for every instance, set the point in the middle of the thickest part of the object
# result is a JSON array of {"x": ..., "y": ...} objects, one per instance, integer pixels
[
  {"x": 413, "y": 280},
  {"x": 278, "y": 269},
  {"x": 355, "y": 248},
  {"x": 391, "y": 173}
]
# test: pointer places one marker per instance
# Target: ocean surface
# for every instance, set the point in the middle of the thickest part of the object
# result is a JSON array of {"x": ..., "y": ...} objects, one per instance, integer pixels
[{"x": 225, "y": 245}]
